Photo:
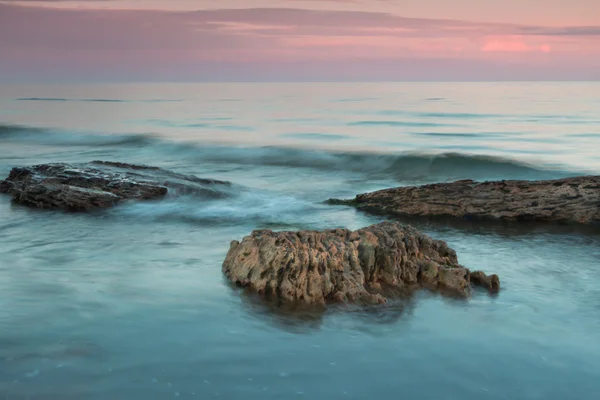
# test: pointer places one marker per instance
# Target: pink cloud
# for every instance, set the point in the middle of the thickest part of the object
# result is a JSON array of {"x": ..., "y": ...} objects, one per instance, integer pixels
[
  {"x": 507, "y": 44},
  {"x": 177, "y": 43},
  {"x": 513, "y": 44}
]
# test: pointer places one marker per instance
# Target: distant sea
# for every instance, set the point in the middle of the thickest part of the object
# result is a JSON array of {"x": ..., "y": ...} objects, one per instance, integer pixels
[{"x": 131, "y": 303}]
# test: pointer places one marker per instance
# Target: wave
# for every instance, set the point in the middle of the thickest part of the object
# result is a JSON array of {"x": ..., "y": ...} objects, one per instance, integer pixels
[
  {"x": 314, "y": 136},
  {"x": 561, "y": 119},
  {"x": 41, "y": 99},
  {"x": 61, "y": 99},
  {"x": 403, "y": 166},
  {"x": 457, "y": 134},
  {"x": 8, "y": 130},
  {"x": 438, "y": 114},
  {"x": 585, "y": 135},
  {"x": 294, "y": 120},
  {"x": 246, "y": 206},
  {"x": 46, "y": 136},
  {"x": 398, "y": 123},
  {"x": 207, "y": 123}
]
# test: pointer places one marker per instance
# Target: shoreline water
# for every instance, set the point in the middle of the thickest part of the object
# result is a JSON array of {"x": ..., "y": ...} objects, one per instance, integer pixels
[{"x": 132, "y": 302}]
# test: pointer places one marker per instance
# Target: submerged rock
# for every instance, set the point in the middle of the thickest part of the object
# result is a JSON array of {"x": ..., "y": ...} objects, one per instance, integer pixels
[
  {"x": 569, "y": 200},
  {"x": 100, "y": 184},
  {"x": 491, "y": 282},
  {"x": 338, "y": 265}
]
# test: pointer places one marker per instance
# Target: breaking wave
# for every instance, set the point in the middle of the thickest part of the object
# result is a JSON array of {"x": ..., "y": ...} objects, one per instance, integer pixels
[
  {"x": 399, "y": 166},
  {"x": 402, "y": 166}
]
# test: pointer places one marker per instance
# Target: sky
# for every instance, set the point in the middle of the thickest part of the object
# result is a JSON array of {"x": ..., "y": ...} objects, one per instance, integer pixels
[{"x": 299, "y": 40}]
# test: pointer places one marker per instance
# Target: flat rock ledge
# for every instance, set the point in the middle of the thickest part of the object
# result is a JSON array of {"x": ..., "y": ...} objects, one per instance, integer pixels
[
  {"x": 366, "y": 266},
  {"x": 100, "y": 184},
  {"x": 569, "y": 200}
]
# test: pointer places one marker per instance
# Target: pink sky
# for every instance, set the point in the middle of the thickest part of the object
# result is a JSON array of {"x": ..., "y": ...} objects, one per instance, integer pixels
[{"x": 368, "y": 40}]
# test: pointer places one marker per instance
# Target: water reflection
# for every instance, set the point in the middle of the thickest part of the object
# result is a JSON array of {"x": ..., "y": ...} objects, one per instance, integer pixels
[
  {"x": 293, "y": 318},
  {"x": 302, "y": 319}
]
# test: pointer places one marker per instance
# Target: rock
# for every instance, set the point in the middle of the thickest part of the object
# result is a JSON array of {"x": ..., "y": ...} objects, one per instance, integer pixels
[
  {"x": 491, "y": 282},
  {"x": 569, "y": 200},
  {"x": 339, "y": 265},
  {"x": 100, "y": 184}
]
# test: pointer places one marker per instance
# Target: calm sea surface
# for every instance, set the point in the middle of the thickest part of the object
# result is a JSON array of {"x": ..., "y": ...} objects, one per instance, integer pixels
[{"x": 131, "y": 303}]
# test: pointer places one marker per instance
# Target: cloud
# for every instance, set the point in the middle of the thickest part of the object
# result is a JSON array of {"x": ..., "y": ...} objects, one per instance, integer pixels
[
  {"x": 514, "y": 44},
  {"x": 561, "y": 31},
  {"x": 193, "y": 42},
  {"x": 509, "y": 45},
  {"x": 314, "y": 22}
]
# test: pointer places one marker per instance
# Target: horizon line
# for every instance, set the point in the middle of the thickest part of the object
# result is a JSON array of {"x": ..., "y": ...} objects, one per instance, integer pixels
[{"x": 59, "y": 81}]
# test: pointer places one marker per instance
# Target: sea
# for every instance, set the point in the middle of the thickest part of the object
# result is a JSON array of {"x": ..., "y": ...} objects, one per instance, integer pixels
[{"x": 131, "y": 303}]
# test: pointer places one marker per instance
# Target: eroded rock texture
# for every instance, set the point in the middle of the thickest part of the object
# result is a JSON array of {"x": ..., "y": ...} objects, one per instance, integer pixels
[
  {"x": 570, "y": 200},
  {"x": 365, "y": 266},
  {"x": 99, "y": 184}
]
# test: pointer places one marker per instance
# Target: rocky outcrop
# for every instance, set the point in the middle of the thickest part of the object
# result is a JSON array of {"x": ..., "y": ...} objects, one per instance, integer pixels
[
  {"x": 338, "y": 265},
  {"x": 100, "y": 184},
  {"x": 569, "y": 200}
]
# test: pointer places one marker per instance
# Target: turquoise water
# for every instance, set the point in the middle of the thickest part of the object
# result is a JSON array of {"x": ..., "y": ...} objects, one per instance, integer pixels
[{"x": 131, "y": 303}]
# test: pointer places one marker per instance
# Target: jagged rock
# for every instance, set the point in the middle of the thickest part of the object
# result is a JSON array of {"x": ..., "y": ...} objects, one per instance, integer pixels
[
  {"x": 100, "y": 184},
  {"x": 339, "y": 265},
  {"x": 569, "y": 200}
]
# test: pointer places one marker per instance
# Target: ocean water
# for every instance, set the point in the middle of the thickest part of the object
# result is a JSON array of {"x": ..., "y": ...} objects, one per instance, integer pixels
[{"x": 131, "y": 303}]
